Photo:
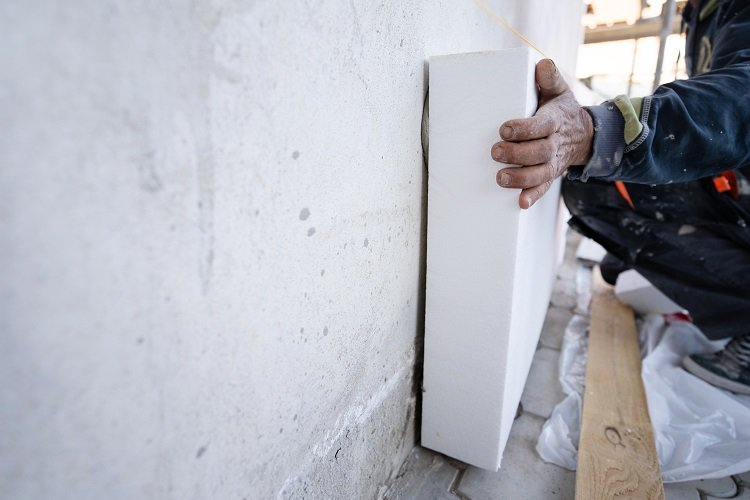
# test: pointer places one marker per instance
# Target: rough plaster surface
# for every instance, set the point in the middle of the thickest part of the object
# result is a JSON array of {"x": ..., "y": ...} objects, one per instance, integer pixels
[{"x": 212, "y": 219}]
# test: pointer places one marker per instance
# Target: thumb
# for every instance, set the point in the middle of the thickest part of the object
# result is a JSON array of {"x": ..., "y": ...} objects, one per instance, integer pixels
[{"x": 549, "y": 79}]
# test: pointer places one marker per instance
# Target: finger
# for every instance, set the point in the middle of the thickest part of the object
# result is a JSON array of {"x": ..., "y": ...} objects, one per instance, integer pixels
[
  {"x": 529, "y": 196},
  {"x": 526, "y": 177},
  {"x": 524, "y": 153},
  {"x": 549, "y": 79},
  {"x": 538, "y": 126}
]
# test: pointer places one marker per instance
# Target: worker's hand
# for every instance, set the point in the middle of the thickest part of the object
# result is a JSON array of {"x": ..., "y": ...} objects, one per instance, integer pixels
[{"x": 545, "y": 145}]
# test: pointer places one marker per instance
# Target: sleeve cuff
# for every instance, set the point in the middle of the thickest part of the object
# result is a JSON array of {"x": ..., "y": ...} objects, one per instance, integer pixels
[{"x": 608, "y": 144}]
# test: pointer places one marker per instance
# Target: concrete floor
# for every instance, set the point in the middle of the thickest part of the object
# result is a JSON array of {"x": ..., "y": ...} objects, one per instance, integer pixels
[{"x": 427, "y": 475}]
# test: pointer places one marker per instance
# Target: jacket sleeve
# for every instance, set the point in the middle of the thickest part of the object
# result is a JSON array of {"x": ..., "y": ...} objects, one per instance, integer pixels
[{"x": 688, "y": 129}]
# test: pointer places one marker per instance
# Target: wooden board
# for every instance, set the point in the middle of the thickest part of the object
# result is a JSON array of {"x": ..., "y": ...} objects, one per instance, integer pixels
[
  {"x": 616, "y": 456},
  {"x": 490, "y": 265}
]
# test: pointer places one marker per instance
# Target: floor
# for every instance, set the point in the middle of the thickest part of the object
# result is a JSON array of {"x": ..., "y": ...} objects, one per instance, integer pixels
[{"x": 427, "y": 475}]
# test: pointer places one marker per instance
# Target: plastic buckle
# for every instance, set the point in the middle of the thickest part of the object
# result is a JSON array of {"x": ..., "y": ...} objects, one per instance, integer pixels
[
  {"x": 721, "y": 184},
  {"x": 726, "y": 182}
]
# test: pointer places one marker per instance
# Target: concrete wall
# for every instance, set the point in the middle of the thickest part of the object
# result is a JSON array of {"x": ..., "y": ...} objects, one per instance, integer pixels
[{"x": 211, "y": 246}]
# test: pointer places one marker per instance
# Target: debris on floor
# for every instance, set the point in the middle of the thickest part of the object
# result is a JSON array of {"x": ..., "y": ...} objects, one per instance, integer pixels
[{"x": 427, "y": 475}]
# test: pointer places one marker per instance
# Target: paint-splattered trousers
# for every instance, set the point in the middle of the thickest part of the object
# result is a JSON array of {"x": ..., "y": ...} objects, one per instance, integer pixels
[{"x": 687, "y": 239}]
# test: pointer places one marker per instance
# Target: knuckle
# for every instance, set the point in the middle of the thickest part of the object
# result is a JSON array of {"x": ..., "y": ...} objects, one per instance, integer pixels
[
  {"x": 556, "y": 140},
  {"x": 527, "y": 177},
  {"x": 541, "y": 124},
  {"x": 555, "y": 123},
  {"x": 509, "y": 152},
  {"x": 544, "y": 122},
  {"x": 547, "y": 128},
  {"x": 550, "y": 148},
  {"x": 520, "y": 130},
  {"x": 537, "y": 154},
  {"x": 550, "y": 172},
  {"x": 519, "y": 178},
  {"x": 531, "y": 128},
  {"x": 532, "y": 180}
]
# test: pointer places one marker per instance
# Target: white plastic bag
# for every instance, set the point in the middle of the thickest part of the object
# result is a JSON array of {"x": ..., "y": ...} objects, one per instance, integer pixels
[
  {"x": 558, "y": 441},
  {"x": 701, "y": 432}
]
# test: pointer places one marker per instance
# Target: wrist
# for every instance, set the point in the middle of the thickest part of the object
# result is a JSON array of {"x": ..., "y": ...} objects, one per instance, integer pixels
[{"x": 607, "y": 144}]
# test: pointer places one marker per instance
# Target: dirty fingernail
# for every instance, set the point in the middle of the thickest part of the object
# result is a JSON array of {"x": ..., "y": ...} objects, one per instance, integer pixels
[
  {"x": 506, "y": 132},
  {"x": 498, "y": 154},
  {"x": 504, "y": 179}
]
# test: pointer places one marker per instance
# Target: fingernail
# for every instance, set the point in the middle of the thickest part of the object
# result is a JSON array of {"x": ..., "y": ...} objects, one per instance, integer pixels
[
  {"x": 529, "y": 201},
  {"x": 506, "y": 132},
  {"x": 498, "y": 154},
  {"x": 504, "y": 179}
]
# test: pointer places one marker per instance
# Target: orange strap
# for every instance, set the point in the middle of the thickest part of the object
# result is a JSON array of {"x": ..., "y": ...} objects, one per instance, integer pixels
[{"x": 624, "y": 193}]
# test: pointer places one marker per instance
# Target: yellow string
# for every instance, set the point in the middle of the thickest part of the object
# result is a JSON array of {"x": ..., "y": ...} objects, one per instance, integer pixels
[{"x": 507, "y": 25}]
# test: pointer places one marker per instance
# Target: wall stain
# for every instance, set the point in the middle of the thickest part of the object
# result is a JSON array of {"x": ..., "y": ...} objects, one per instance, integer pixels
[
  {"x": 205, "y": 187},
  {"x": 148, "y": 179}
]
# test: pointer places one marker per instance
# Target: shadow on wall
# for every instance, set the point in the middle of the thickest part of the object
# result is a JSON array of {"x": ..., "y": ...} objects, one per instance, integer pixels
[{"x": 419, "y": 337}]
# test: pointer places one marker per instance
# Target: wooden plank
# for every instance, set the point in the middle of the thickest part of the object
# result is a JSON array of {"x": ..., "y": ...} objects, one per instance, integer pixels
[
  {"x": 624, "y": 31},
  {"x": 617, "y": 456}
]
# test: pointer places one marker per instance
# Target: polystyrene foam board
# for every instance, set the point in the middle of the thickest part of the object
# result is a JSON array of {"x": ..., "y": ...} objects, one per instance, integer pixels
[
  {"x": 638, "y": 292},
  {"x": 490, "y": 265},
  {"x": 590, "y": 250}
]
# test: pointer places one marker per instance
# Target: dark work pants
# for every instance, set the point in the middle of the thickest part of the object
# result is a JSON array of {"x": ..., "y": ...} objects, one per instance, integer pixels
[{"x": 690, "y": 241}]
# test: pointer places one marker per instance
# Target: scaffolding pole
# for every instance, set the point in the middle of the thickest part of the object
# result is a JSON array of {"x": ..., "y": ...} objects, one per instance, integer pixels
[{"x": 668, "y": 10}]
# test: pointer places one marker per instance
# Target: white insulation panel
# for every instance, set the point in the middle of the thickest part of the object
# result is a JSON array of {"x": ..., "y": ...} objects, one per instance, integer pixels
[{"x": 490, "y": 265}]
